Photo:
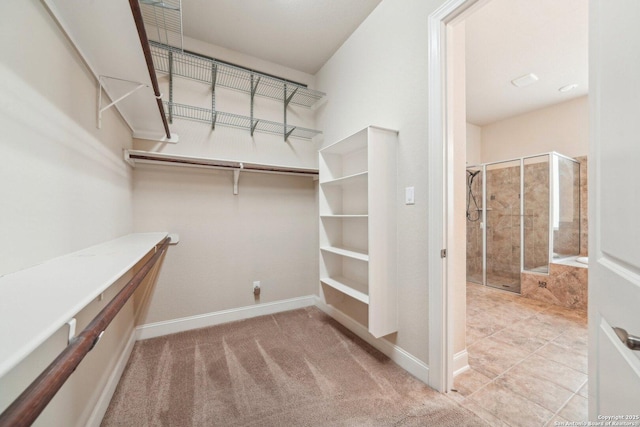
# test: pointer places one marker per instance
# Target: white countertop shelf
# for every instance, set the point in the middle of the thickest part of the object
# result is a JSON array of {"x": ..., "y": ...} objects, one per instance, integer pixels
[{"x": 37, "y": 301}]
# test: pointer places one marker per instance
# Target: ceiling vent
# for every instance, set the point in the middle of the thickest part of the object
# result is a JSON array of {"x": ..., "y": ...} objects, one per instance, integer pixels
[
  {"x": 525, "y": 80},
  {"x": 568, "y": 88}
]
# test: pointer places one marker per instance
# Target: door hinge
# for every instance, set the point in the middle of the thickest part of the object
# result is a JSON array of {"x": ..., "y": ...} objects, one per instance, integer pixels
[{"x": 443, "y": 253}]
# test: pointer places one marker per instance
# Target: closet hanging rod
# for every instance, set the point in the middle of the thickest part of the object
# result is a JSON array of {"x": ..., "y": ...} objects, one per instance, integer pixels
[
  {"x": 134, "y": 157},
  {"x": 28, "y": 406},
  {"x": 144, "y": 41}
]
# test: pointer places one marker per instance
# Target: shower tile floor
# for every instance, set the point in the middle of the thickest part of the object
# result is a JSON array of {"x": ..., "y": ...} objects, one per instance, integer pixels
[{"x": 528, "y": 360}]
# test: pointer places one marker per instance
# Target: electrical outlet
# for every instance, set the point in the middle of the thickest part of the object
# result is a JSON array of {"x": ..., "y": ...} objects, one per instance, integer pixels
[
  {"x": 256, "y": 284},
  {"x": 256, "y": 288}
]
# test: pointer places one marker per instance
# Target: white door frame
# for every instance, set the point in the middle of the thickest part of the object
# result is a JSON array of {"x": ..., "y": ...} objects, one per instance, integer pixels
[{"x": 440, "y": 196}]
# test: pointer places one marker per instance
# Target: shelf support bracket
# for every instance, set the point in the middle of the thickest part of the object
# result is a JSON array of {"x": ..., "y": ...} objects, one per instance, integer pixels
[
  {"x": 253, "y": 127},
  {"x": 214, "y": 75},
  {"x": 287, "y": 100},
  {"x": 284, "y": 103},
  {"x": 287, "y": 134},
  {"x": 101, "y": 109},
  {"x": 236, "y": 178},
  {"x": 72, "y": 329},
  {"x": 171, "y": 87},
  {"x": 254, "y": 88}
]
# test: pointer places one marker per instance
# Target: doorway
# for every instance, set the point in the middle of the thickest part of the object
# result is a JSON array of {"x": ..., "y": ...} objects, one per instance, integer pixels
[{"x": 443, "y": 363}]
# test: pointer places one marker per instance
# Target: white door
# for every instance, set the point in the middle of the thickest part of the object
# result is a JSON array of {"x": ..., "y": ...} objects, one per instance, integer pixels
[{"x": 614, "y": 215}]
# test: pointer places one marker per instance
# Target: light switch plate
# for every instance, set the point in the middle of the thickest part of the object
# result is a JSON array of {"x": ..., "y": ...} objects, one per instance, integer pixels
[{"x": 409, "y": 195}]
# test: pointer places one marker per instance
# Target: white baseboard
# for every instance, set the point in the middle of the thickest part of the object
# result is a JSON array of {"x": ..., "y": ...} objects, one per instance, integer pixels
[
  {"x": 95, "y": 419},
  {"x": 401, "y": 357},
  {"x": 460, "y": 362},
  {"x": 152, "y": 330}
]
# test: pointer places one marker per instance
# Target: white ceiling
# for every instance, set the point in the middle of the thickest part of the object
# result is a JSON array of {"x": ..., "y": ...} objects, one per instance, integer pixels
[
  {"x": 298, "y": 34},
  {"x": 506, "y": 39}
]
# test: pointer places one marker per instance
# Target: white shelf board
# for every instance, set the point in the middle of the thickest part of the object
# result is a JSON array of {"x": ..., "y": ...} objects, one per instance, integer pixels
[
  {"x": 347, "y": 252},
  {"x": 37, "y": 301},
  {"x": 347, "y": 287},
  {"x": 344, "y": 216},
  {"x": 114, "y": 51},
  {"x": 355, "y": 179},
  {"x": 357, "y": 141}
]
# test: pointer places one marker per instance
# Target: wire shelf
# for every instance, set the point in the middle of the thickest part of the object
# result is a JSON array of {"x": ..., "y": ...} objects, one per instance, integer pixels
[
  {"x": 235, "y": 120},
  {"x": 163, "y": 21},
  {"x": 199, "y": 68}
]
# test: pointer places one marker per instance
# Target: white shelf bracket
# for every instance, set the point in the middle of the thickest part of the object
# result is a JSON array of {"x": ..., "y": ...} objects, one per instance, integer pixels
[
  {"x": 72, "y": 329},
  {"x": 236, "y": 178},
  {"x": 101, "y": 109}
]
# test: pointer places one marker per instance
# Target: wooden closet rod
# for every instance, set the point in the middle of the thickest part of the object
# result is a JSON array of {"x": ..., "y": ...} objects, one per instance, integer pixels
[
  {"x": 142, "y": 33},
  {"x": 28, "y": 406}
]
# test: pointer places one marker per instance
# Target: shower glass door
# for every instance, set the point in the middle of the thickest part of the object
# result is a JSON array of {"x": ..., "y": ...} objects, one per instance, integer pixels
[
  {"x": 475, "y": 223},
  {"x": 503, "y": 238},
  {"x": 536, "y": 214}
]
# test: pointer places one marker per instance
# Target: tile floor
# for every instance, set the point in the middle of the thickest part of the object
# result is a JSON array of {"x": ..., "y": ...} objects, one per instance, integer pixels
[{"x": 528, "y": 360}]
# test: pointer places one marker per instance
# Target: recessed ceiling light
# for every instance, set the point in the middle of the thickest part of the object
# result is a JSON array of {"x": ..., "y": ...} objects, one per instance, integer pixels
[
  {"x": 525, "y": 80},
  {"x": 567, "y": 88}
]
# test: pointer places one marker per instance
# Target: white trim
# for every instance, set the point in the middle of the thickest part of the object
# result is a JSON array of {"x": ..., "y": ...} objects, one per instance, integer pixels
[
  {"x": 157, "y": 329},
  {"x": 440, "y": 351},
  {"x": 460, "y": 362},
  {"x": 401, "y": 357},
  {"x": 102, "y": 404}
]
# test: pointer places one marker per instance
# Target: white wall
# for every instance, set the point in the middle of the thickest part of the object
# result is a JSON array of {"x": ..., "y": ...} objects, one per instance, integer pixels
[
  {"x": 64, "y": 185},
  {"x": 268, "y": 232},
  {"x": 474, "y": 144},
  {"x": 378, "y": 76},
  {"x": 561, "y": 127}
]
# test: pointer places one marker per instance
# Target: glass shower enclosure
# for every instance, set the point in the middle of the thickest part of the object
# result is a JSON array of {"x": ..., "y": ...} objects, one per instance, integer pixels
[{"x": 521, "y": 215}]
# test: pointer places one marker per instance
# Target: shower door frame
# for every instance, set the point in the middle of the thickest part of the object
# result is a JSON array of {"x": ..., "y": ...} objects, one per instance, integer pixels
[{"x": 483, "y": 223}]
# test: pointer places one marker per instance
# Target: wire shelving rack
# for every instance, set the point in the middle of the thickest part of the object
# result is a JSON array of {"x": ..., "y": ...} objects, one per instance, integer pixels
[
  {"x": 163, "y": 21},
  {"x": 214, "y": 73},
  {"x": 212, "y": 117},
  {"x": 170, "y": 60}
]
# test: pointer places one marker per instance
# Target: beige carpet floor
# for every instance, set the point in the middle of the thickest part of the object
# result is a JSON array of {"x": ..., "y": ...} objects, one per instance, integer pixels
[{"x": 297, "y": 368}]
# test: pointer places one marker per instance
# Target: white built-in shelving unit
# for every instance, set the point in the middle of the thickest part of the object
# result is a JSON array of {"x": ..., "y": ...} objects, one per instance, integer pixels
[{"x": 358, "y": 223}]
